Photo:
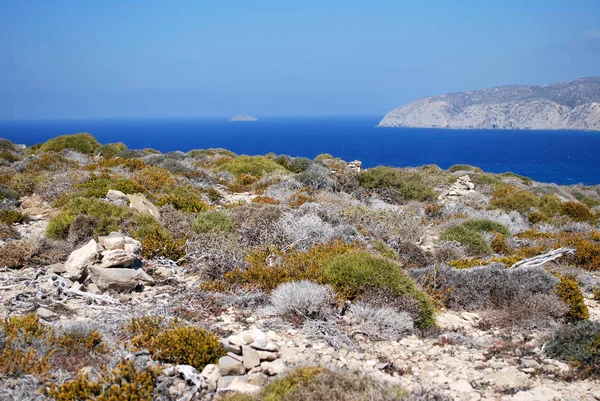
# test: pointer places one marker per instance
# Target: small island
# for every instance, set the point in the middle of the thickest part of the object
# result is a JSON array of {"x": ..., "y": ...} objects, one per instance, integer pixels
[{"x": 241, "y": 117}]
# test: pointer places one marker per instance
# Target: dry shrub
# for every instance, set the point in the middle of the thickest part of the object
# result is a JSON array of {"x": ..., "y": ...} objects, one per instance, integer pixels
[
  {"x": 304, "y": 299},
  {"x": 412, "y": 255},
  {"x": 81, "y": 229},
  {"x": 383, "y": 297},
  {"x": 540, "y": 311},
  {"x": 256, "y": 223},
  {"x": 216, "y": 254},
  {"x": 16, "y": 254},
  {"x": 8, "y": 232},
  {"x": 176, "y": 222},
  {"x": 385, "y": 323}
]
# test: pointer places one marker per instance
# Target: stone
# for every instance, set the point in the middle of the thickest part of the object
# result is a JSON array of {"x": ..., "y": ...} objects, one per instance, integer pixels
[
  {"x": 530, "y": 363},
  {"x": 80, "y": 259},
  {"x": 225, "y": 381},
  {"x": 163, "y": 272},
  {"x": 117, "y": 257},
  {"x": 461, "y": 386},
  {"x": 132, "y": 245},
  {"x": 117, "y": 197},
  {"x": 143, "y": 205},
  {"x": 243, "y": 387},
  {"x": 269, "y": 346},
  {"x": 112, "y": 241},
  {"x": 537, "y": 394},
  {"x": 118, "y": 279},
  {"x": 76, "y": 286},
  {"x": 355, "y": 166},
  {"x": 266, "y": 355},
  {"x": 258, "y": 337},
  {"x": 236, "y": 349},
  {"x": 273, "y": 368},
  {"x": 596, "y": 394},
  {"x": 258, "y": 378},
  {"x": 229, "y": 366},
  {"x": 238, "y": 340},
  {"x": 46, "y": 314},
  {"x": 508, "y": 378},
  {"x": 211, "y": 375},
  {"x": 93, "y": 289},
  {"x": 58, "y": 268},
  {"x": 251, "y": 358}
]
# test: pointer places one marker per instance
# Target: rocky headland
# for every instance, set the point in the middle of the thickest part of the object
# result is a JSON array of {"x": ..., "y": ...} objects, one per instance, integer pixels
[{"x": 571, "y": 105}]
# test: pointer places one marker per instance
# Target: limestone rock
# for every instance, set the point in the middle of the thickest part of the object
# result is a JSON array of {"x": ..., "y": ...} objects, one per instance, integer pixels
[
  {"x": 118, "y": 279},
  {"x": 117, "y": 257},
  {"x": 273, "y": 368},
  {"x": 225, "y": 381},
  {"x": 461, "y": 386},
  {"x": 258, "y": 378},
  {"x": 112, "y": 241},
  {"x": 211, "y": 375},
  {"x": 46, "y": 314},
  {"x": 267, "y": 356},
  {"x": 251, "y": 358},
  {"x": 93, "y": 289},
  {"x": 355, "y": 166},
  {"x": 117, "y": 197},
  {"x": 143, "y": 205},
  {"x": 243, "y": 387},
  {"x": 229, "y": 366},
  {"x": 80, "y": 259},
  {"x": 537, "y": 394}
]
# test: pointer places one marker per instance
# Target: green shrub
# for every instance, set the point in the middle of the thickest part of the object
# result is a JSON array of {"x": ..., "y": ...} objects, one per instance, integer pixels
[
  {"x": 58, "y": 226},
  {"x": 568, "y": 290},
  {"x": 590, "y": 202},
  {"x": 487, "y": 226},
  {"x": 211, "y": 152},
  {"x": 130, "y": 154},
  {"x": 324, "y": 156},
  {"x": 511, "y": 198},
  {"x": 7, "y": 193},
  {"x": 8, "y": 216},
  {"x": 212, "y": 221},
  {"x": 256, "y": 166},
  {"x": 175, "y": 342},
  {"x": 577, "y": 344},
  {"x": 156, "y": 242},
  {"x": 5, "y": 144},
  {"x": 409, "y": 187},
  {"x": 185, "y": 201},
  {"x": 578, "y": 211},
  {"x": 351, "y": 272},
  {"x": 111, "y": 149},
  {"x": 464, "y": 167},
  {"x": 473, "y": 240},
  {"x": 83, "y": 143},
  {"x": 524, "y": 180},
  {"x": 98, "y": 187}
]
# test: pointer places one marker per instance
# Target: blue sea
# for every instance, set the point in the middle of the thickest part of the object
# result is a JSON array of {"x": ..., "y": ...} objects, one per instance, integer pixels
[{"x": 562, "y": 157}]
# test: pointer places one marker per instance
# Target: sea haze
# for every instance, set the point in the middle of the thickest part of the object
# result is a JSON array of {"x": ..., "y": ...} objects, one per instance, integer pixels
[{"x": 562, "y": 157}]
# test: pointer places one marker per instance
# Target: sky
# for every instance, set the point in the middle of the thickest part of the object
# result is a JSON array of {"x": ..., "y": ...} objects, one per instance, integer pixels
[{"x": 213, "y": 58}]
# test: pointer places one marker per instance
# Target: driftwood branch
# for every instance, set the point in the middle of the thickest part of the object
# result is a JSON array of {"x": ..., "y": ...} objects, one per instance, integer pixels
[
  {"x": 190, "y": 375},
  {"x": 544, "y": 258}
]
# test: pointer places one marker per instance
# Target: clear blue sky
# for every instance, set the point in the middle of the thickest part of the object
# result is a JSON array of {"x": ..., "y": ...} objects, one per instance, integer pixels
[{"x": 145, "y": 58}]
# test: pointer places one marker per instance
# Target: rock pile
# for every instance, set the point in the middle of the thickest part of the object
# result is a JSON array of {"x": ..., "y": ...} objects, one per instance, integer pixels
[
  {"x": 112, "y": 263},
  {"x": 461, "y": 187},
  {"x": 355, "y": 166},
  {"x": 252, "y": 357}
]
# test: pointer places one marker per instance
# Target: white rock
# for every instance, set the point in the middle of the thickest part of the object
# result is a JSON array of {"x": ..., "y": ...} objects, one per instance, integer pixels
[
  {"x": 258, "y": 337},
  {"x": 537, "y": 394},
  {"x": 46, "y": 314},
  {"x": 80, "y": 259},
  {"x": 461, "y": 386},
  {"x": 117, "y": 197},
  {"x": 143, "y": 205},
  {"x": 230, "y": 367},
  {"x": 251, "y": 358},
  {"x": 112, "y": 241},
  {"x": 211, "y": 374},
  {"x": 267, "y": 356},
  {"x": 242, "y": 387},
  {"x": 118, "y": 279},
  {"x": 273, "y": 368},
  {"x": 117, "y": 257},
  {"x": 93, "y": 289},
  {"x": 258, "y": 378}
]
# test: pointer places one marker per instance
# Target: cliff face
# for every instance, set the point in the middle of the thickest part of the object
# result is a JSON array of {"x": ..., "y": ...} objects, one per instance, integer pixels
[{"x": 573, "y": 105}]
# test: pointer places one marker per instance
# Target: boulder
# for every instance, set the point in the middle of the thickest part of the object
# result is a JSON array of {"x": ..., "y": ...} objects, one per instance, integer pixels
[
  {"x": 112, "y": 241},
  {"x": 80, "y": 259},
  {"x": 251, "y": 358},
  {"x": 273, "y": 368},
  {"x": 117, "y": 257},
  {"x": 229, "y": 366},
  {"x": 211, "y": 375},
  {"x": 117, "y": 197},
  {"x": 143, "y": 205},
  {"x": 225, "y": 381},
  {"x": 132, "y": 245},
  {"x": 46, "y": 314},
  {"x": 118, "y": 279},
  {"x": 93, "y": 289}
]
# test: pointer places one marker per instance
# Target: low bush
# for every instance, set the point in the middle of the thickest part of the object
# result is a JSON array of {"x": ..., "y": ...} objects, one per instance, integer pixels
[
  {"x": 539, "y": 311},
  {"x": 577, "y": 344},
  {"x": 154, "y": 178},
  {"x": 384, "y": 323},
  {"x": 408, "y": 188},
  {"x": 16, "y": 254},
  {"x": 111, "y": 149},
  {"x": 242, "y": 183},
  {"x": 486, "y": 225},
  {"x": 464, "y": 167},
  {"x": 470, "y": 238},
  {"x": 8, "y": 232},
  {"x": 510, "y": 198},
  {"x": 156, "y": 242},
  {"x": 175, "y": 342},
  {"x": 568, "y": 290},
  {"x": 83, "y": 143},
  {"x": 256, "y": 166},
  {"x": 98, "y": 187},
  {"x": 318, "y": 383},
  {"x": 7, "y": 193},
  {"x": 578, "y": 211},
  {"x": 488, "y": 287},
  {"x": 5, "y": 144},
  {"x": 351, "y": 272},
  {"x": 8, "y": 216},
  {"x": 212, "y": 221},
  {"x": 124, "y": 382},
  {"x": 304, "y": 299},
  {"x": 186, "y": 201}
]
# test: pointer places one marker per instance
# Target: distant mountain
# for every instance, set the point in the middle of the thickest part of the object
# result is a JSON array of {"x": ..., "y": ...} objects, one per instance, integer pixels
[
  {"x": 571, "y": 105},
  {"x": 241, "y": 117}
]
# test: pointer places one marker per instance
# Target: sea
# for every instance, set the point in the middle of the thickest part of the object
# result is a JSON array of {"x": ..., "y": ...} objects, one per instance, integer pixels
[{"x": 561, "y": 157}]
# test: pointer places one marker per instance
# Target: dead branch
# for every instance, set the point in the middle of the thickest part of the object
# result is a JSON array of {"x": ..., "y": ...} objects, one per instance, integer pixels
[{"x": 540, "y": 260}]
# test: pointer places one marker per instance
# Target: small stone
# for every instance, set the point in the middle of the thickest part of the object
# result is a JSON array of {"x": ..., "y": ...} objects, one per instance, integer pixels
[
  {"x": 112, "y": 241},
  {"x": 229, "y": 366},
  {"x": 257, "y": 378},
  {"x": 267, "y": 356},
  {"x": 269, "y": 346},
  {"x": 76, "y": 286},
  {"x": 163, "y": 272},
  {"x": 236, "y": 349},
  {"x": 243, "y": 387},
  {"x": 143, "y": 205},
  {"x": 46, "y": 314},
  {"x": 225, "y": 381},
  {"x": 530, "y": 363},
  {"x": 251, "y": 357},
  {"x": 93, "y": 289},
  {"x": 57, "y": 268},
  {"x": 238, "y": 340},
  {"x": 235, "y": 356},
  {"x": 117, "y": 257},
  {"x": 273, "y": 368},
  {"x": 461, "y": 386},
  {"x": 117, "y": 197},
  {"x": 596, "y": 394},
  {"x": 211, "y": 375},
  {"x": 258, "y": 337}
]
